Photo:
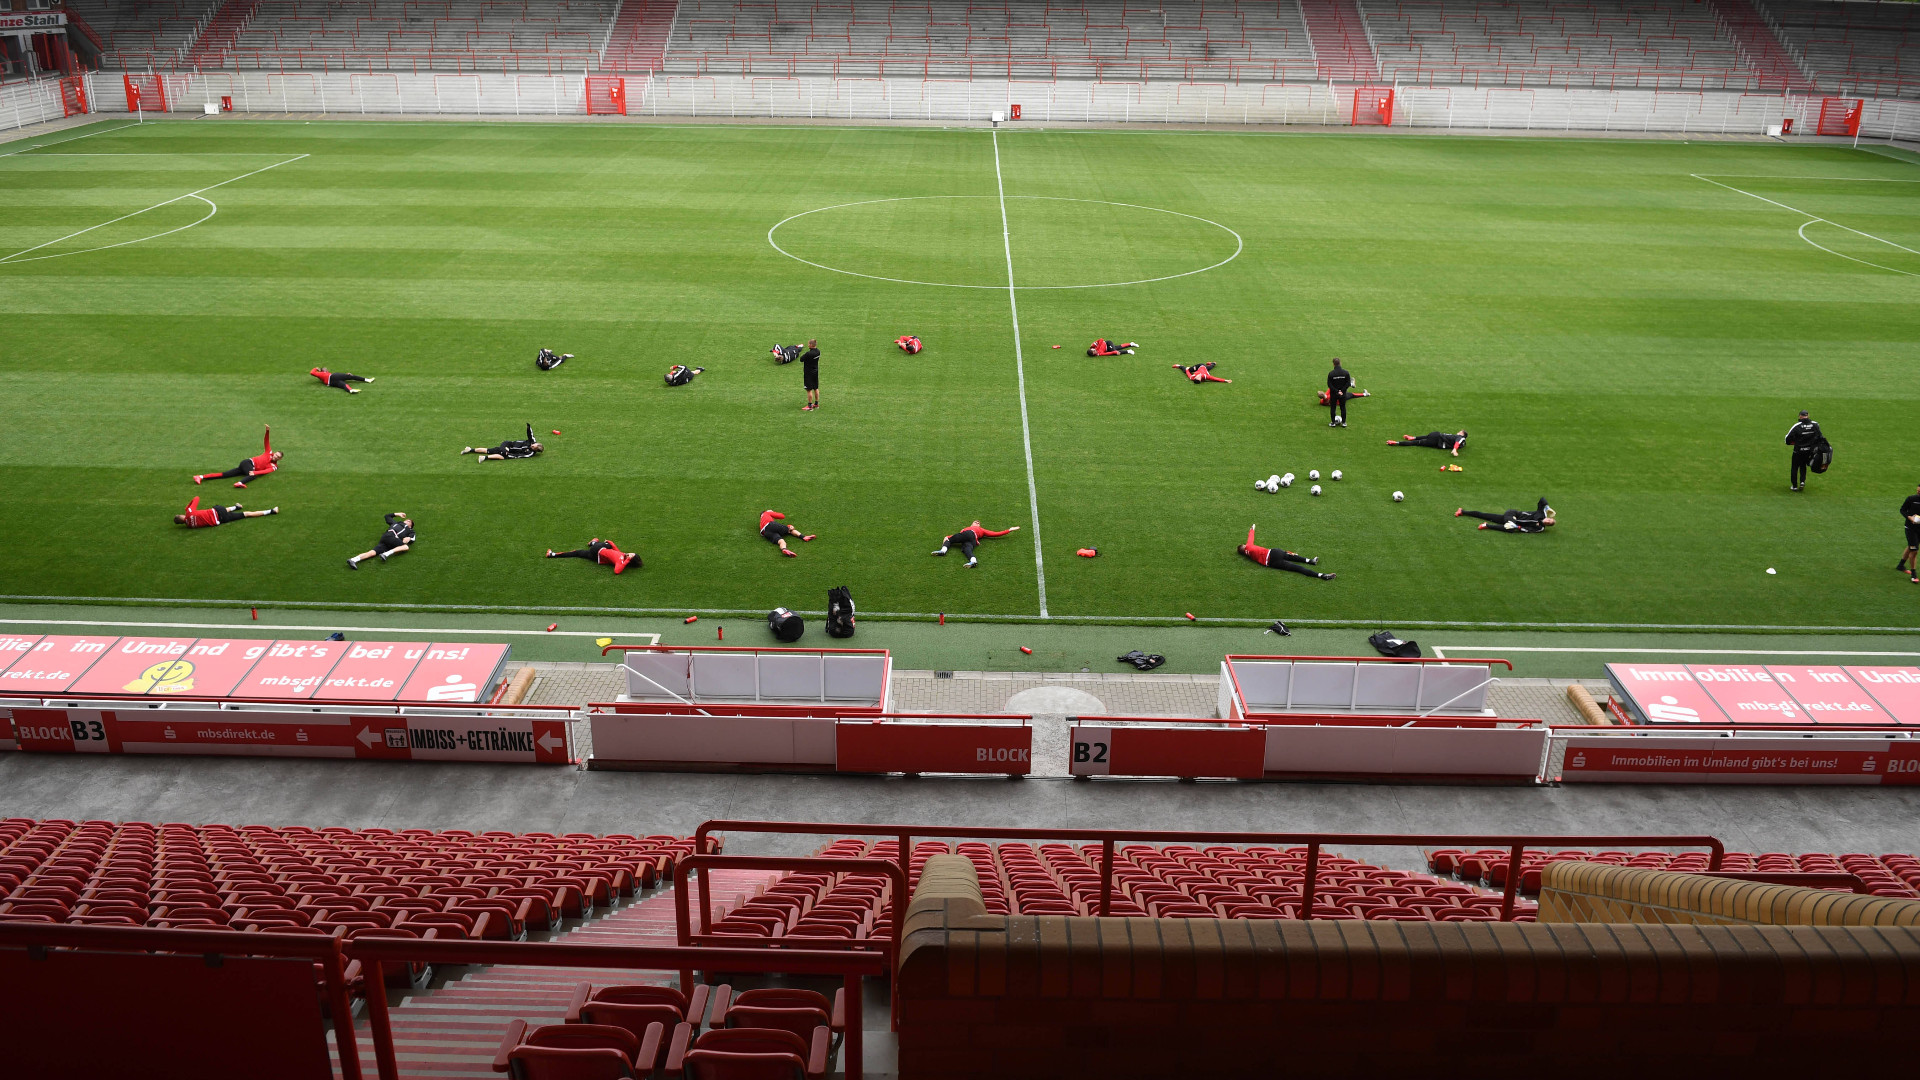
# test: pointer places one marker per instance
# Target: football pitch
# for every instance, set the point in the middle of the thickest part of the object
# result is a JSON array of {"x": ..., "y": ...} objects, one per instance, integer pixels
[{"x": 1626, "y": 328}]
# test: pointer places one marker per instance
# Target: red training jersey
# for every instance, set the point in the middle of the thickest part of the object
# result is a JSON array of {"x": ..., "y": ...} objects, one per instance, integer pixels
[
  {"x": 771, "y": 515},
  {"x": 198, "y": 518}
]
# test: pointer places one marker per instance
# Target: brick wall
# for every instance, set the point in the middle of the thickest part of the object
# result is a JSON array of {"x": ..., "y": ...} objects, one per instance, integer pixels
[{"x": 1048, "y": 996}]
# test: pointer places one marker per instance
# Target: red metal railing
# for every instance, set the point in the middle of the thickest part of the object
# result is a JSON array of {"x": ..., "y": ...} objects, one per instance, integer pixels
[
  {"x": 373, "y": 953},
  {"x": 1318, "y": 719},
  {"x": 1241, "y": 698},
  {"x": 1515, "y": 845},
  {"x": 781, "y": 649}
]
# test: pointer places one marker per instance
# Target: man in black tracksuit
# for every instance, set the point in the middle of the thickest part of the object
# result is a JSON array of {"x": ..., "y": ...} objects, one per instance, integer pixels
[
  {"x": 1514, "y": 521},
  {"x": 1804, "y": 437},
  {"x": 810, "y": 375},
  {"x": 1910, "y": 517},
  {"x": 1339, "y": 384}
]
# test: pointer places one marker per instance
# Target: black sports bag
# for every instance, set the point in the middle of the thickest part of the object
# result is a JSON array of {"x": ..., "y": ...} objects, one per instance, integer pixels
[
  {"x": 839, "y": 612},
  {"x": 785, "y": 625},
  {"x": 1386, "y": 644},
  {"x": 1822, "y": 456}
]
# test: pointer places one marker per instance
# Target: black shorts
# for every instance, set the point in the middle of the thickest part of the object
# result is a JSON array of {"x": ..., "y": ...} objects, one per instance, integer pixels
[
  {"x": 228, "y": 513},
  {"x": 388, "y": 543},
  {"x": 777, "y": 530},
  {"x": 1913, "y": 534},
  {"x": 810, "y": 377}
]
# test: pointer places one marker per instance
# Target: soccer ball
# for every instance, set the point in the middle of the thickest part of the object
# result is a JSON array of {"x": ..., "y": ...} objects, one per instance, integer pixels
[
  {"x": 1399, "y": 496},
  {"x": 1287, "y": 480},
  {"x": 1313, "y": 474},
  {"x": 1259, "y": 485},
  {"x": 1273, "y": 482},
  {"x": 1335, "y": 474},
  {"x": 1314, "y": 490}
]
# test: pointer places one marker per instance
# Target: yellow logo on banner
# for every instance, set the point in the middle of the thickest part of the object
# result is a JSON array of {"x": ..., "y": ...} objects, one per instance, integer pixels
[{"x": 165, "y": 677}]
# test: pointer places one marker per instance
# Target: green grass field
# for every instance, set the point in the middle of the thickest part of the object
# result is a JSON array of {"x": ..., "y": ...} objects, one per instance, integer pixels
[{"x": 1620, "y": 336}]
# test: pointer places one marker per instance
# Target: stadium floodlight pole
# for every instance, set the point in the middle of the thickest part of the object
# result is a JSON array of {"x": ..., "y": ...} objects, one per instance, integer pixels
[{"x": 1020, "y": 371}]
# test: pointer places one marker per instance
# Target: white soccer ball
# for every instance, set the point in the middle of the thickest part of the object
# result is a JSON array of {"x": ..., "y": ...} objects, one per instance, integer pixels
[
  {"x": 1287, "y": 480},
  {"x": 1273, "y": 482},
  {"x": 1335, "y": 474},
  {"x": 1313, "y": 474},
  {"x": 1399, "y": 496},
  {"x": 1259, "y": 485},
  {"x": 1314, "y": 490}
]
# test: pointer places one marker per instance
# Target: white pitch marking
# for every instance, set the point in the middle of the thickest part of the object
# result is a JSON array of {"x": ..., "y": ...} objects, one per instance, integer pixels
[
  {"x": 63, "y": 142},
  {"x": 137, "y": 213},
  {"x": 1239, "y": 243},
  {"x": 212, "y": 209},
  {"x": 1020, "y": 369},
  {"x": 1817, "y": 217},
  {"x": 1440, "y": 651},
  {"x": 1771, "y": 176},
  {"x": 343, "y": 629}
]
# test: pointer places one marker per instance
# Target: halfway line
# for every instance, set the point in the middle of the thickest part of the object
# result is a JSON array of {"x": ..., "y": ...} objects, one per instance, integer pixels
[{"x": 1020, "y": 369}]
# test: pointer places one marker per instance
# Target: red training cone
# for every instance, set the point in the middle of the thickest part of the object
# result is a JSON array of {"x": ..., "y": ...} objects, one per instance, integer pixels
[
  {"x": 1026, "y": 650},
  {"x": 552, "y": 626},
  {"x": 1190, "y": 616},
  {"x": 1087, "y": 553},
  {"x": 691, "y": 619}
]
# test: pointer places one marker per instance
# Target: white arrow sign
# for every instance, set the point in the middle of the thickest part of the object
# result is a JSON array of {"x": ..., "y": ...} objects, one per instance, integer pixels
[
  {"x": 367, "y": 737},
  {"x": 550, "y": 743}
]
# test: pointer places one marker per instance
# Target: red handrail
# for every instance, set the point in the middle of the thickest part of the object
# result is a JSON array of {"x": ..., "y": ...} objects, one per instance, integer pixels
[
  {"x": 1318, "y": 720},
  {"x": 1108, "y": 837},
  {"x": 1230, "y": 657}
]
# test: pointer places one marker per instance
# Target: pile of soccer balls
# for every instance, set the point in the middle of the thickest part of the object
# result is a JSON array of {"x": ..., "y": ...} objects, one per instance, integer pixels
[{"x": 1275, "y": 482}]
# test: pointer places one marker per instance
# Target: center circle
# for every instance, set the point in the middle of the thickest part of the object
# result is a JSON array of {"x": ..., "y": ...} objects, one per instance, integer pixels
[{"x": 956, "y": 241}]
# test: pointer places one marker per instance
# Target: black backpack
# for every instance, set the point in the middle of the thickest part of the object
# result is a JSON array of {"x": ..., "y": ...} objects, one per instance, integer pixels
[
  {"x": 839, "y": 612},
  {"x": 1387, "y": 644},
  {"x": 1822, "y": 456},
  {"x": 785, "y": 625}
]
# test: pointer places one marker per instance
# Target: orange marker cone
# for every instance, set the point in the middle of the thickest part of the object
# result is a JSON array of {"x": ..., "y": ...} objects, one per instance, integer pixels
[
  {"x": 1026, "y": 650},
  {"x": 556, "y": 431},
  {"x": 1190, "y": 616},
  {"x": 552, "y": 626},
  {"x": 692, "y": 619}
]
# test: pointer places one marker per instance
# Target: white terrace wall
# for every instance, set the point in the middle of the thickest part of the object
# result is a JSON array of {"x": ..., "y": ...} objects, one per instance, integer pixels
[
  {"x": 1543, "y": 109},
  {"x": 30, "y": 102}
]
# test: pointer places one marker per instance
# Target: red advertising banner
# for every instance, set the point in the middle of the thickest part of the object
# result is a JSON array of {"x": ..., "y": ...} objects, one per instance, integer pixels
[
  {"x": 1238, "y": 753},
  {"x": 290, "y": 669},
  {"x": 13, "y": 647},
  {"x": 510, "y": 739},
  {"x": 1896, "y": 689},
  {"x": 452, "y": 672},
  {"x": 906, "y": 747},
  {"x": 372, "y": 671},
  {"x": 1665, "y": 694},
  {"x": 134, "y": 665},
  {"x": 1829, "y": 695},
  {"x": 1749, "y": 694},
  {"x": 54, "y": 662},
  {"x": 1740, "y": 761}
]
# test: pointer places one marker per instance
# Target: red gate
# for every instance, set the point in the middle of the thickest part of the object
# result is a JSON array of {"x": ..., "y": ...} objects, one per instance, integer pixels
[
  {"x": 146, "y": 93},
  {"x": 1372, "y": 105},
  {"x": 73, "y": 96},
  {"x": 606, "y": 95},
  {"x": 1839, "y": 116}
]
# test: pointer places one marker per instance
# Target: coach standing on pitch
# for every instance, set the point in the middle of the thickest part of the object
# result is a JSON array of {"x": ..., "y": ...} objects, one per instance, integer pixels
[
  {"x": 1910, "y": 517},
  {"x": 810, "y": 375},
  {"x": 1803, "y": 436},
  {"x": 1339, "y": 388}
]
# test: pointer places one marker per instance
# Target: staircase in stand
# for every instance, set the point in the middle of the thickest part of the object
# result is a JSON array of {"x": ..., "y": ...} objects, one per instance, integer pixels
[
  {"x": 1761, "y": 48},
  {"x": 639, "y": 39},
  {"x": 223, "y": 30},
  {"x": 456, "y": 1030},
  {"x": 1340, "y": 43}
]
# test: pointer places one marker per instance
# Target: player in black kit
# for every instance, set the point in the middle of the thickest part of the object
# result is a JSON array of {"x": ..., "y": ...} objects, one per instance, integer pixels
[
  {"x": 512, "y": 448},
  {"x": 1514, "y": 521},
  {"x": 1439, "y": 440},
  {"x": 1339, "y": 389},
  {"x": 1910, "y": 517},
  {"x": 1804, "y": 437},
  {"x": 398, "y": 538}
]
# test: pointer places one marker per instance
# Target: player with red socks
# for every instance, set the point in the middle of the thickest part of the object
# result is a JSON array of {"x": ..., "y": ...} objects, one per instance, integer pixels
[
  {"x": 1103, "y": 347},
  {"x": 338, "y": 378},
  {"x": 600, "y": 551},
  {"x": 775, "y": 530},
  {"x": 1199, "y": 373},
  {"x": 909, "y": 343},
  {"x": 1277, "y": 559},
  {"x": 198, "y": 517},
  {"x": 969, "y": 538},
  {"x": 258, "y": 465}
]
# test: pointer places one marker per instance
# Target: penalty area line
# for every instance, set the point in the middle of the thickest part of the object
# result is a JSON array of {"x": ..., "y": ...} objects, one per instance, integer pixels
[
  {"x": 343, "y": 629},
  {"x": 1825, "y": 221}
]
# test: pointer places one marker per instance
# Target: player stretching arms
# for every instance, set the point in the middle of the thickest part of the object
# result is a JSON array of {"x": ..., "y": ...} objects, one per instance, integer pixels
[
  {"x": 600, "y": 551},
  {"x": 1199, "y": 373},
  {"x": 339, "y": 379},
  {"x": 1281, "y": 560},
  {"x": 1439, "y": 440},
  {"x": 198, "y": 518},
  {"x": 1515, "y": 521},
  {"x": 259, "y": 465},
  {"x": 969, "y": 538},
  {"x": 398, "y": 538},
  {"x": 512, "y": 448},
  {"x": 774, "y": 529}
]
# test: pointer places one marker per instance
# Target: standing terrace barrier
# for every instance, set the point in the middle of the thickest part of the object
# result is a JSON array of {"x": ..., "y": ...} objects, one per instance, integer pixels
[
  {"x": 1311, "y": 746},
  {"x": 1355, "y": 686}
]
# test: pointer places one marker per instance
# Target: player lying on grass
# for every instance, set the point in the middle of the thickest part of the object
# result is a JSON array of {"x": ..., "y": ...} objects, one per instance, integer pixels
[
  {"x": 198, "y": 518},
  {"x": 1103, "y": 347},
  {"x": 969, "y": 538},
  {"x": 1439, "y": 440},
  {"x": 338, "y": 378},
  {"x": 909, "y": 343},
  {"x": 600, "y": 551},
  {"x": 1199, "y": 373},
  {"x": 398, "y": 538},
  {"x": 1277, "y": 559},
  {"x": 512, "y": 448},
  {"x": 775, "y": 530},
  {"x": 1528, "y": 521},
  {"x": 268, "y": 460},
  {"x": 1910, "y": 517},
  {"x": 547, "y": 359}
]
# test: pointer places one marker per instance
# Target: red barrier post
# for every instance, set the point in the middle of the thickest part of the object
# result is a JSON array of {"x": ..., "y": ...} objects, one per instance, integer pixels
[
  {"x": 1307, "y": 880},
  {"x": 378, "y": 1020},
  {"x": 1513, "y": 883},
  {"x": 1106, "y": 876}
]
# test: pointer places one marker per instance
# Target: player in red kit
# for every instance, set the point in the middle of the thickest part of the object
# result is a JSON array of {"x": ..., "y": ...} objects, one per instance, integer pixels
[
  {"x": 969, "y": 538},
  {"x": 338, "y": 378},
  {"x": 198, "y": 517},
  {"x": 1199, "y": 373},
  {"x": 775, "y": 530},
  {"x": 603, "y": 551},
  {"x": 1281, "y": 560},
  {"x": 268, "y": 460}
]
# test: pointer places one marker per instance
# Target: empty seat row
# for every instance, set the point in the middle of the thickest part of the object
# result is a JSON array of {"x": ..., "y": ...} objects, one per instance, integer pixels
[
  {"x": 711, "y": 1034},
  {"x": 1882, "y": 875}
]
